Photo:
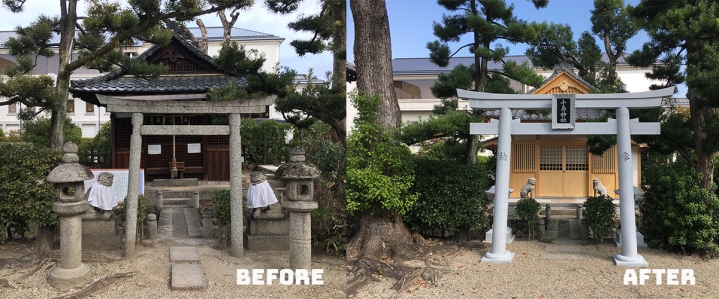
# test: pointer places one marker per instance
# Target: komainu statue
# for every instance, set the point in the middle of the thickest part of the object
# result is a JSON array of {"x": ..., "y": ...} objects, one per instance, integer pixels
[
  {"x": 599, "y": 188},
  {"x": 528, "y": 188}
]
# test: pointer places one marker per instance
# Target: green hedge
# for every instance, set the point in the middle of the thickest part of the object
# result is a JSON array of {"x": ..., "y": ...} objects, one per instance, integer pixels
[
  {"x": 600, "y": 216},
  {"x": 677, "y": 214},
  {"x": 451, "y": 197},
  {"x": 25, "y": 196}
]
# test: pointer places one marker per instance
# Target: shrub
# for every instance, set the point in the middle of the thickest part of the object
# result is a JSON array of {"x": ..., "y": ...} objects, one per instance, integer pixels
[
  {"x": 221, "y": 201},
  {"x": 451, "y": 197},
  {"x": 678, "y": 214},
  {"x": 223, "y": 214},
  {"x": 600, "y": 216},
  {"x": 265, "y": 142},
  {"x": 528, "y": 210},
  {"x": 379, "y": 169},
  {"x": 25, "y": 196},
  {"x": 97, "y": 152}
]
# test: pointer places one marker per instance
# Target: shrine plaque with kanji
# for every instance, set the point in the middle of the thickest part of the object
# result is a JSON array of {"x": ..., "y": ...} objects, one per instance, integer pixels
[{"x": 563, "y": 112}]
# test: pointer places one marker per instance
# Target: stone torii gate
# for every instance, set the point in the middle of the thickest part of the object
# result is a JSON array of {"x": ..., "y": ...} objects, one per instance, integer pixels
[
  {"x": 140, "y": 107},
  {"x": 563, "y": 114}
]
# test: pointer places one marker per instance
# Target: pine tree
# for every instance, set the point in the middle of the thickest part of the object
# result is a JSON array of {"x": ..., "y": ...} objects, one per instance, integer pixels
[
  {"x": 489, "y": 23},
  {"x": 325, "y": 102},
  {"x": 610, "y": 23},
  {"x": 685, "y": 33}
]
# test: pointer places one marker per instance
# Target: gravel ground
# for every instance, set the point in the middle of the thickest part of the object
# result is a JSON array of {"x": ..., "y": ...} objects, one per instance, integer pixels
[
  {"x": 530, "y": 277},
  {"x": 152, "y": 271}
]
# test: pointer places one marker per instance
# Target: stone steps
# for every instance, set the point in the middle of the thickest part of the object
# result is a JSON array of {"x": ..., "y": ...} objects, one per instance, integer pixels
[{"x": 177, "y": 202}]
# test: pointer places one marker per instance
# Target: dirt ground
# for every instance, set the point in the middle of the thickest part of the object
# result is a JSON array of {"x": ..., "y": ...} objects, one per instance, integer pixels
[
  {"x": 528, "y": 276},
  {"x": 150, "y": 270}
]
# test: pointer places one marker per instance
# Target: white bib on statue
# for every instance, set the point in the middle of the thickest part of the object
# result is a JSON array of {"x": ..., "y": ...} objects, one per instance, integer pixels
[
  {"x": 260, "y": 195},
  {"x": 102, "y": 196}
]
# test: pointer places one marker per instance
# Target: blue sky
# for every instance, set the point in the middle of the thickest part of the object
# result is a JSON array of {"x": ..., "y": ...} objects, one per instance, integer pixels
[{"x": 411, "y": 21}]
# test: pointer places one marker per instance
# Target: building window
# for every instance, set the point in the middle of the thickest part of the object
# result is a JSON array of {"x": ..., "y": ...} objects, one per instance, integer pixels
[
  {"x": 550, "y": 158},
  {"x": 89, "y": 108},
  {"x": 577, "y": 158},
  {"x": 605, "y": 162},
  {"x": 70, "y": 106},
  {"x": 405, "y": 90},
  {"x": 12, "y": 109},
  {"x": 523, "y": 160}
]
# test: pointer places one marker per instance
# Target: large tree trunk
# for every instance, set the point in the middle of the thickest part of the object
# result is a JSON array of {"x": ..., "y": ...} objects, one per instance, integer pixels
[
  {"x": 373, "y": 57},
  {"x": 68, "y": 19},
  {"x": 46, "y": 234},
  {"x": 339, "y": 42},
  {"x": 227, "y": 25},
  {"x": 338, "y": 9},
  {"x": 705, "y": 160},
  {"x": 380, "y": 236},
  {"x": 612, "y": 76}
]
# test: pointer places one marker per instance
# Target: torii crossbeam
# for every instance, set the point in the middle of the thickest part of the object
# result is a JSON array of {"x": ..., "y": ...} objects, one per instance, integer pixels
[{"x": 563, "y": 114}]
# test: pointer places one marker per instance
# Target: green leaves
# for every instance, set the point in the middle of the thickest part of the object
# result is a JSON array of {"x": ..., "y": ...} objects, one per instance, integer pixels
[
  {"x": 451, "y": 196},
  {"x": 600, "y": 212},
  {"x": 379, "y": 169},
  {"x": 25, "y": 196},
  {"x": 676, "y": 212}
]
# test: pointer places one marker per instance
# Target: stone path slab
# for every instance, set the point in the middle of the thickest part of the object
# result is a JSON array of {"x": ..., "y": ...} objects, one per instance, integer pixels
[
  {"x": 563, "y": 248},
  {"x": 164, "y": 223},
  {"x": 558, "y": 256},
  {"x": 187, "y": 277},
  {"x": 574, "y": 229},
  {"x": 552, "y": 229},
  {"x": 194, "y": 230},
  {"x": 184, "y": 254}
]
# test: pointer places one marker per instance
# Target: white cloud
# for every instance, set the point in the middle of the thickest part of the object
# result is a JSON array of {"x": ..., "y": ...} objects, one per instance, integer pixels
[{"x": 257, "y": 18}]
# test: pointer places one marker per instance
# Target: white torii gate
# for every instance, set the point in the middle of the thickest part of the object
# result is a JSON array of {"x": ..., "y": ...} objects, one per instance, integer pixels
[{"x": 563, "y": 114}]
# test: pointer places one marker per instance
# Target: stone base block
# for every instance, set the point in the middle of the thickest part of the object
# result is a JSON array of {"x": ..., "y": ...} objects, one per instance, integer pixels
[
  {"x": 637, "y": 261},
  {"x": 488, "y": 236},
  {"x": 174, "y": 182},
  {"x": 65, "y": 279},
  {"x": 640, "y": 239},
  {"x": 266, "y": 243},
  {"x": 492, "y": 258},
  {"x": 268, "y": 227}
]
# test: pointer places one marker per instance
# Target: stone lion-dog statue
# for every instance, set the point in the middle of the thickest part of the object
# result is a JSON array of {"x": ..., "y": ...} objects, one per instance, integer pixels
[
  {"x": 599, "y": 188},
  {"x": 528, "y": 188}
]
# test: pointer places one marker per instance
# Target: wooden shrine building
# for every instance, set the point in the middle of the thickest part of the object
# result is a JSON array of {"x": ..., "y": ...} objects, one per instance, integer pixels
[
  {"x": 191, "y": 75},
  {"x": 562, "y": 164}
]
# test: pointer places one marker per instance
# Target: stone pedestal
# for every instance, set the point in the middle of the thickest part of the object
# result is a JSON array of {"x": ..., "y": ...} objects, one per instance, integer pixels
[
  {"x": 195, "y": 199},
  {"x": 299, "y": 192},
  {"x": 70, "y": 272},
  {"x": 207, "y": 216},
  {"x": 267, "y": 230},
  {"x": 159, "y": 201},
  {"x": 300, "y": 233},
  {"x": 151, "y": 226}
]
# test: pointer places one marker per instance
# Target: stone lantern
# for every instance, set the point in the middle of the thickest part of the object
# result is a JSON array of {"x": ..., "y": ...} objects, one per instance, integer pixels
[
  {"x": 298, "y": 176},
  {"x": 70, "y": 272}
]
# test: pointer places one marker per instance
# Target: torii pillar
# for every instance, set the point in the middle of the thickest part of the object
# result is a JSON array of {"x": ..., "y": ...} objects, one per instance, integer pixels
[{"x": 563, "y": 115}]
